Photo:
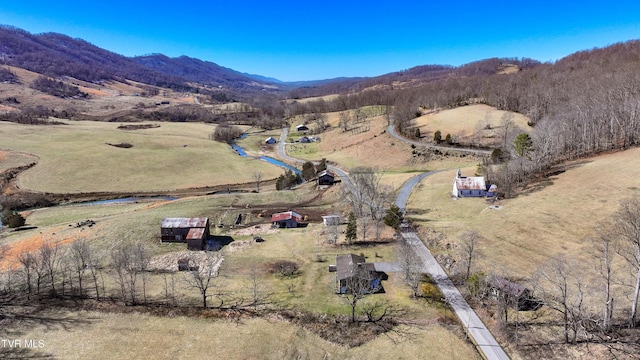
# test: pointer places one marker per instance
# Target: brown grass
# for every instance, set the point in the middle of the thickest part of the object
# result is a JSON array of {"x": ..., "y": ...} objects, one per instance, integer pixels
[{"x": 467, "y": 123}]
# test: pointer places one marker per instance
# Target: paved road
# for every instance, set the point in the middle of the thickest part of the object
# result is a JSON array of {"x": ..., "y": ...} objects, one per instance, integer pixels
[
  {"x": 392, "y": 131},
  {"x": 484, "y": 340}
]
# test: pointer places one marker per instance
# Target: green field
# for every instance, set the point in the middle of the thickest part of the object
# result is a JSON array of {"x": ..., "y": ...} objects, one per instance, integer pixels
[{"x": 76, "y": 158}]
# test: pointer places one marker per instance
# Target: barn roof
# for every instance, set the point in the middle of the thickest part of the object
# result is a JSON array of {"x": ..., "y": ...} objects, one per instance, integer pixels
[
  {"x": 185, "y": 222},
  {"x": 326, "y": 173},
  {"x": 508, "y": 287},
  {"x": 283, "y": 216},
  {"x": 470, "y": 183},
  {"x": 195, "y": 234}
]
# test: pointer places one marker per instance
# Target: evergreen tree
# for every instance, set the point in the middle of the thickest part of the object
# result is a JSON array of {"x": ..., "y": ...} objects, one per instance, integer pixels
[
  {"x": 352, "y": 228},
  {"x": 394, "y": 217},
  {"x": 437, "y": 136}
]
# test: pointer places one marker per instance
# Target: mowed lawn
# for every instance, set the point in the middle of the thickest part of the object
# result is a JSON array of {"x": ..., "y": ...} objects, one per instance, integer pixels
[
  {"x": 553, "y": 217},
  {"x": 76, "y": 158}
]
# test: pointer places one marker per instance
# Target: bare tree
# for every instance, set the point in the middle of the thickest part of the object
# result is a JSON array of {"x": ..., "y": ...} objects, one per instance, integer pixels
[
  {"x": 627, "y": 229},
  {"x": 257, "y": 176},
  {"x": 80, "y": 256},
  {"x": 355, "y": 288},
  {"x": 50, "y": 256},
  {"x": 344, "y": 121},
  {"x": 410, "y": 267},
  {"x": 604, "y": 247},
  {"x": 201, "y": 273},
  {"x": 469, "y": 250},
  {"x": 507, "y": 124},
  {"x": 561, "y": 288},
  {"x": 141, "y": 259},
  {"x": 368, "y": 198},
  {"x": 257, "y": 290},
  {"x": 119, "y": 260},
  {"x": 27, "y": 260}
]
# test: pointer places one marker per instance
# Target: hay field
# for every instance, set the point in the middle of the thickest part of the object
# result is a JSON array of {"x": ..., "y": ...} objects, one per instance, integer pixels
[
  {"x": 478, "y": 122},
  {"x": 552, "y": 217},
  {"x": 93, "y": 335},
  {"x": 76, "y": 158}
]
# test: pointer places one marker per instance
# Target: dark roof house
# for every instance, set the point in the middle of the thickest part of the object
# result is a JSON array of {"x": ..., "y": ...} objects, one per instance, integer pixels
[
  {"x": 353, "y": 273},
  {"x": 271, "y": 140},
  {"x": 326, "y": 177}
]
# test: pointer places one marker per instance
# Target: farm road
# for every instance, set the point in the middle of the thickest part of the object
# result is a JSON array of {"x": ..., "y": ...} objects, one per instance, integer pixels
[
  {"x": 392, "y": 131},
  {"x": 283, "y": 154},
  {"x": 475, "y": 328}
]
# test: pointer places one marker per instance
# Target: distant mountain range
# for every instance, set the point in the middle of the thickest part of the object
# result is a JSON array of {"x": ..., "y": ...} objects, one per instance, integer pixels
[{"x": 58, "y": 55}]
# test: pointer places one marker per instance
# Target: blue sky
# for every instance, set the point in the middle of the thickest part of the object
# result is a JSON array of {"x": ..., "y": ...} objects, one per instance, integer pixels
[{"x": 309, "y": 40}]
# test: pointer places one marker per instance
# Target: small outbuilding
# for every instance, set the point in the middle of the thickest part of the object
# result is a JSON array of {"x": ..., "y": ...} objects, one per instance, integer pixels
[
  {"x": 270, "y": 140},
  {"x": 288, "y": 219},
  {"x": 515, "y": 295},
  {"x": 472, "y": 186},
  {"x": 326, "y": 177},
  {"x": 331, "y": 220},
  {"x": 302, "y": 127},
  {"x": 304, "y": 139}
]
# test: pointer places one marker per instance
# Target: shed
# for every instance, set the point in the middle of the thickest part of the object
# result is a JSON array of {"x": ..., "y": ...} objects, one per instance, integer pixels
[
  {"x": 288, "y": 219},
  {"x": 302, "y": 127},
  {"x": 304, "y": 139},
  {"x": 331, "y": 220},
  {"x": 326, "y": 177},
  {"x": 472, "y": 186},
  {"x": 271, "y": 140}
]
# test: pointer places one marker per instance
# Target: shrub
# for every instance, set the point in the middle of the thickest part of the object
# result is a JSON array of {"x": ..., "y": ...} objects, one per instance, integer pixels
[
  {"x": 12, "y": 219},
  {"x": 57, "y": 88},
  {"x": 284, "y": 268}
]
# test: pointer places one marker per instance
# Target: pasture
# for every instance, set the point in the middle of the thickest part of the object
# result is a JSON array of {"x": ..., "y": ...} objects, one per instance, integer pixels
[
  {"x": 477, "y": 124},
  {"x": 310, "y": 290},
  {"x": 77, "y": 158},
  {"x": 554, "y": 216},
  {"x": 95, "y": 335}
]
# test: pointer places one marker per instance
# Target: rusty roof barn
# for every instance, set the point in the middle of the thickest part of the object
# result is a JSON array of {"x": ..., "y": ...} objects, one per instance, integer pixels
[
  {"x": 472, "y": 186},
  {"x": 288, "y": 219},
  {"x": 193, "y": 231}
]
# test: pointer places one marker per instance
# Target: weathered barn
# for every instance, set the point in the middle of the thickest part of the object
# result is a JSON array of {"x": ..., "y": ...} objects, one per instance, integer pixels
[
  {"x": 193, "y": 231},
  {"x": 326, "y": 177},
  {"x": 288, "y": 219},
  {"x": 270, "y": 140},
  {"x": 515, "y": 295},
  {"x": 472, "y": 186},
  {"x": 353, "y": 273}
]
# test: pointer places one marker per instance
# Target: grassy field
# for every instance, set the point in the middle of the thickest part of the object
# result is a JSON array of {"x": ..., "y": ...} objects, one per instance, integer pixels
[
  {"x": 472, "y": 123},
  {"x": 76, "y": 158},
  {"x": 83, "y": 335},
  {"x": 552, "y": 217},
  {"x": 311, "y": 290}
]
